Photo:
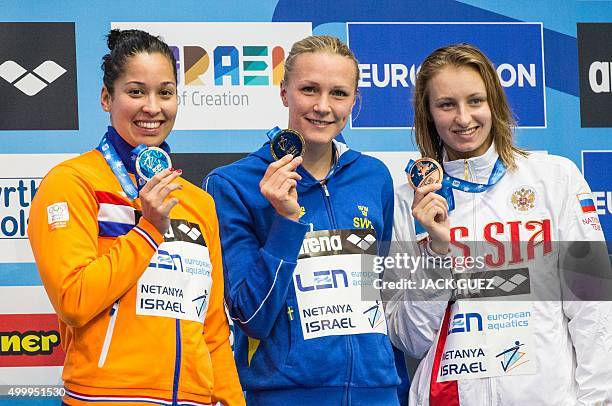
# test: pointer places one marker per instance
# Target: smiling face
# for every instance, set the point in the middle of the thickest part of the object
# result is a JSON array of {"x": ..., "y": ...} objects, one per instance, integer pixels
[
  {"x": 460, "y": 111},
  {"x": 143, "y": 104},
  {"x": 320, "y": 94}
]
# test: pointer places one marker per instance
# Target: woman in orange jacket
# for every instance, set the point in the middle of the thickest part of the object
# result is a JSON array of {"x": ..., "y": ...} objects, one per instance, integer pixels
[{"x": 130, "y": 259}]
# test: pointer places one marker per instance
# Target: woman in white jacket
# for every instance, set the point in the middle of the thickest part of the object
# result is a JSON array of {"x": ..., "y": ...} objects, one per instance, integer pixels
[{"x": 536, "y": 332}]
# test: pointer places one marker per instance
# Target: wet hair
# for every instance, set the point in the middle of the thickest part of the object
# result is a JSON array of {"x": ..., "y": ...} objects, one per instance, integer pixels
[
  {"x": 502, "y": 120},
  {"x": 124, "y": 44},
  {"x": 319, "y": 43}
]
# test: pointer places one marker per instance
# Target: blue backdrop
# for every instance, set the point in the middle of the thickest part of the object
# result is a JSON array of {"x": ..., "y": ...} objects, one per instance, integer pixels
[{"x": 553, "y": 36}]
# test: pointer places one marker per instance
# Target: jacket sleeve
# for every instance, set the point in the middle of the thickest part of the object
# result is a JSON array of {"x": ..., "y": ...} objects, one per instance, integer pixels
[
  {"x": 414, "y": 316},
  {"x": 80, "y": 282},
  {"x": 585, "y": 271},
  {"x": 257, "y": 277},
  {"x": 227, "y": 389}
]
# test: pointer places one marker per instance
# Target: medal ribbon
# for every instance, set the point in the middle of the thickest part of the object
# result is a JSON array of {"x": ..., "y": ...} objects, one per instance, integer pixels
[
  {"x": 140, "y": 182},
  {"x": 271, "y": 133},
  {"x": 449, "y": 183},
  {"x": 114, "y": 162}
]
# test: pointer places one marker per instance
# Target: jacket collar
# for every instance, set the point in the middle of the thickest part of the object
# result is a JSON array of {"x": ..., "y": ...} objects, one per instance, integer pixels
[
  {"x": 345, "y": 156},
  {"x": 479, "y": 167}
]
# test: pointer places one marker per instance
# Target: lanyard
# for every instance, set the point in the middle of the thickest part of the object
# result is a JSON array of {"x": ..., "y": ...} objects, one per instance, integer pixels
[
  {"x": 449, "y": 183},
  {"x": 116, "y": 165}
]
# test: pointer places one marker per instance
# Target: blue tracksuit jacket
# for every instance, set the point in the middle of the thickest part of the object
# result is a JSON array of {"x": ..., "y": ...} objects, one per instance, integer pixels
[{"x": 260, "y": 250}]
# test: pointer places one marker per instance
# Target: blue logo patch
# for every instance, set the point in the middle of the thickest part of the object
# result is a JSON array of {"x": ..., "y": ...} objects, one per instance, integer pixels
[{"x": 512, "y": 357}]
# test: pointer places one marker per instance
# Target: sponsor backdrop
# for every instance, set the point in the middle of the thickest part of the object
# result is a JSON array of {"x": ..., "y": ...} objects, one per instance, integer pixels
[{"x": 556, "y": 68}]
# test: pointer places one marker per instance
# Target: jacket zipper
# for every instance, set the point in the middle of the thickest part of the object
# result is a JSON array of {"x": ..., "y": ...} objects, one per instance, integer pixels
[
  {"x": 349, "y": 342},
  {"x": 177, "y": 364},
  {"x": 468, "y": 177},
  {"x": 328, "y": 206},
  {"x": 109, "y": 334},
  {"x": 489, "y": 391}
]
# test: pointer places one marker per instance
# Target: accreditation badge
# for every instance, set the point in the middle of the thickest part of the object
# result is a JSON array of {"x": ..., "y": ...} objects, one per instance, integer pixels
[
  {"x": 150, "y": 161},
  {"x": 488, "y": 339},
  {"x": 285, "y": 142},
  {"x": 328, "y": 282},
  {"x": 178, "y": 281}
]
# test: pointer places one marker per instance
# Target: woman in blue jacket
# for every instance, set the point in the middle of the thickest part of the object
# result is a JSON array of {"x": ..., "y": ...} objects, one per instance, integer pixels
[{"x": 293, "y": 232}]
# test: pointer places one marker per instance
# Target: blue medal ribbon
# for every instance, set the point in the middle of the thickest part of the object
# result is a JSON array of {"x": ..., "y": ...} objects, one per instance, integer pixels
[
  {"x": 449, "y": 183},
  {"x": 135, "y": 152},
  {"x": 121, "y": 158},
  {"x": 271, "y": 133},
  {"x": 114, "y": 162}
]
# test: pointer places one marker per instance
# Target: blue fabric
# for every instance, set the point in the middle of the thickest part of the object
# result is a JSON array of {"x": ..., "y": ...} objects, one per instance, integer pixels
[
  {"x": 260, "y": 252},
  {"x": 324, "y": 397},
  {"x": 112, "y": 229},
  {"x": 402, "y": 372}
]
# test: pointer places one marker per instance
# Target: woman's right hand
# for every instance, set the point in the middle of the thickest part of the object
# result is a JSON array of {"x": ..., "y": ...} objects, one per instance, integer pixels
[
  {"x": 278, "y": 185},
  {"x": 431, "y": 210},
  {"x": 155, "y": 207}
]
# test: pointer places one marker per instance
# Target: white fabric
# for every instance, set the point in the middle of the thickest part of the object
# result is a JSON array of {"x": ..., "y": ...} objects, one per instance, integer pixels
[{"x": 573, "y": 338}]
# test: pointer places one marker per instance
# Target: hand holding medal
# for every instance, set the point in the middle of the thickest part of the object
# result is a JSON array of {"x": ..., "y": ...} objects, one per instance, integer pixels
[
  {"x": 156, "y": 177},
  {"x": 428, "y": 208},
  {"x": 279, "y": 183}
]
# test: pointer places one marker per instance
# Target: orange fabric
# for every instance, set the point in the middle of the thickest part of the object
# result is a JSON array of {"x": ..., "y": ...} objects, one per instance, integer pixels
[{"x": 84, "y": 275}]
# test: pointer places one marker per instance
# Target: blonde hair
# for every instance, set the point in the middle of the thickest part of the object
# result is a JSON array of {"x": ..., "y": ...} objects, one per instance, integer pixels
[
  {"x": 503, "y": 122},
  {"x": 319, "y": 43}
]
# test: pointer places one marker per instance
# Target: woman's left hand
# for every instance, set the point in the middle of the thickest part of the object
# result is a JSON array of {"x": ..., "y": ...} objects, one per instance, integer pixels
[
  {"x": 155, "y": 207},
  {"x": 431, "y": 210}
]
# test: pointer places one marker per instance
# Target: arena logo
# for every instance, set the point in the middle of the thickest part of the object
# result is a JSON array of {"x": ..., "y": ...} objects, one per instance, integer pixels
[
  {"x": 31, "y": 83},
  {"x": 321, "y": 244},
  {"x": 595, "y": 74},
  {"x": 16, "y": 195},
  {"x": 600, "y": 77},
  {"x": 389, "y": 66},
  {"x": 38, "y": 71},
  {"x": 229, "y": 73}
]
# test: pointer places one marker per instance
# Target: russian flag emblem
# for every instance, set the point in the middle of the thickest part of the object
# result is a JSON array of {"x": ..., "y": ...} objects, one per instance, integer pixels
[{"x": 586, "y": 203}]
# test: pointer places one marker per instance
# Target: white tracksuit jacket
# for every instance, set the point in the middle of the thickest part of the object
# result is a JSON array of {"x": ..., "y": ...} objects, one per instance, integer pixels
[{"x": 570, "y": 357}]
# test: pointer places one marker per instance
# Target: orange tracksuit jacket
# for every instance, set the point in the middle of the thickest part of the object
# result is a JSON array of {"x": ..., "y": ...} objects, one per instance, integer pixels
[{"x": 92, "y": 247}]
